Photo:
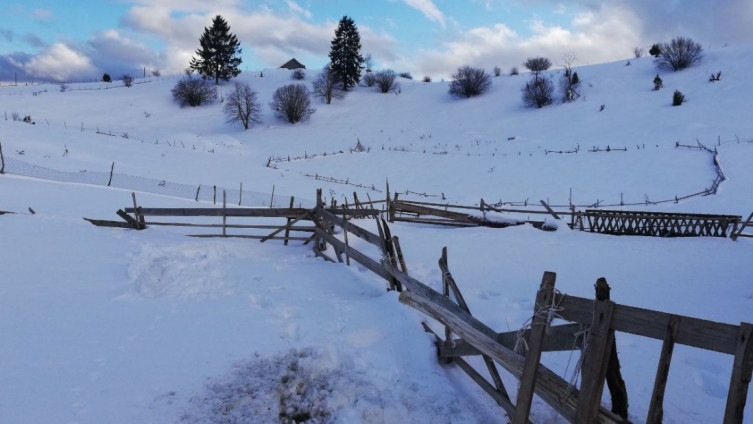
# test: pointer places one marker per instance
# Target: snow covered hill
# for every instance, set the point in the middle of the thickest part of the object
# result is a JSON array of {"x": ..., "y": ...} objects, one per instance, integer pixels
[{"x": 110, "y": 325}]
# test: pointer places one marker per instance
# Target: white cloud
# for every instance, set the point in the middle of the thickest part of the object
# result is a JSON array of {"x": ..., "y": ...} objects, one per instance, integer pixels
[
  {"x": 60, "y": 62},
  {"x": 295, "y": 7},
  {"x": 429, "y": 9}
]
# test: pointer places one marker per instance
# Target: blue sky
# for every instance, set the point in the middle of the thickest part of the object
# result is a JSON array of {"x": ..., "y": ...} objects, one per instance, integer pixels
[{"x": 81, "y": 39}]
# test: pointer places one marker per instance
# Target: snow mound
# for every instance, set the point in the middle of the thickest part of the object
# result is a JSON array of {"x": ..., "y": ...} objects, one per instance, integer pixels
[{"x": 189, "y": 270}]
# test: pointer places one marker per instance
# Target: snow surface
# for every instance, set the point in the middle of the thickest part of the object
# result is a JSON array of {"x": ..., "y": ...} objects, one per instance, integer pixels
[{"x": 118, "y": 326}]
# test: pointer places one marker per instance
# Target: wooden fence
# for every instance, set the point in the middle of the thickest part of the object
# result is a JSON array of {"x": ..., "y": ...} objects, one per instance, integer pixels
[
  {"x": 656, "y": 224},
  {"x": 466, "y": 336}
]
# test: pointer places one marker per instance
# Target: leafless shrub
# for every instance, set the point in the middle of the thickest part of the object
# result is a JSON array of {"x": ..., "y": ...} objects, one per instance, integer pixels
[
  {"x": 469, "y": 81},
  {"x": 497, "y": 71},
  {"x": 292, "y": 102},
  {"x": 194, "y": 92},
  {"x": 385, "y": 81},
  {"x": 514, "y": 71},
  {"x": 369, "y": 79},
  {"x": 241, "y": 105},
  {"x": 678, "y": 54},
  {"x": 639, "y": 52},
  {"x": 127, "y": 80},
  {"x": 538, "y": 92}
]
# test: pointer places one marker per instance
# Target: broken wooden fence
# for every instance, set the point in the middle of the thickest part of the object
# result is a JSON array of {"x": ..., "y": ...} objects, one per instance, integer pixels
[
  {"x": 593, "y": 323},
  {"x": 656, "y": 224},
  {"x": 747, "y": 224},
  {"x": 467, "y": 336}
]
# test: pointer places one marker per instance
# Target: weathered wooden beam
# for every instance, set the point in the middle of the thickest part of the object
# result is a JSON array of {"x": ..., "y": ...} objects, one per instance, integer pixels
[
  {"x": 244, "y": 236},
  {"x": 354, "y": 254},
  {"x": 558, "y": 338},
  {"x": 348, "y": 226},
  {"x": 594, "y": 368},
  {"x": 656, "y": 406},
  {"x": 132, "y": 223},
  {"x": 245, "y": 212},
  {"x": 435, "y": 221},
  {"x": 742, "y": 370},
  {"x": 550, "y": 210},
  {"x": 287, "y": 226},
  {"x": 539, "y": 323},
  {"x": 105, "y": 223},
  {"x": 302, "y": 228},
  {"x": 695, "y": 332}
]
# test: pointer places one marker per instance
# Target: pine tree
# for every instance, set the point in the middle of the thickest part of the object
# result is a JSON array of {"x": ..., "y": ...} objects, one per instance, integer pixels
[
  {"x": 219, "y": 55},
  {"x": 345, "y": 53}
]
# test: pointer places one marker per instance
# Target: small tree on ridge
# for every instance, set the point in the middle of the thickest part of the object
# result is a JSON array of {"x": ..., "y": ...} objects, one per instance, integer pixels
[{"x": 219, "y": 55}]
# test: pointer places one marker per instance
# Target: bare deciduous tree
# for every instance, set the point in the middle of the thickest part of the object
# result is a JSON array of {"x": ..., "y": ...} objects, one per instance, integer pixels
[
  {"x": 537, "y": 64},
  {"x": 638, "y": 52},
  {"x": 327, "y": 86},
  {"x": 468, "y": 82},
  {"x": 241, "y": 105},
  {"x": 570, "y": 81},
  {"x": 292, "y": 103},
  {"x": 678, "y": 54}
]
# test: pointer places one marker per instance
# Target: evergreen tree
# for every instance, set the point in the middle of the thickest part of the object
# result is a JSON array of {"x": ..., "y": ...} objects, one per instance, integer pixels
[
  {"x": 345, "y": 53},
  {"x": 219, "y": 55}
]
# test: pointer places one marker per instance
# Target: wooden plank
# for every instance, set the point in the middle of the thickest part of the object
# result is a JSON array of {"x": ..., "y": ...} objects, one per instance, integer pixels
[
  {"x": 357, "y": 256},
  {"x": 550, "y": 210},
  {"x": 244, "y": 236},
  {"x": 287, "y": 230},
  {"x": 501, "y": 398},
  {"x": 594, "y": 367},
  {"x": 435, "y": 221},
  {"x": 246, "y": 212},
  {"x": 132, "y": 223},
  {"x": 742, "y": 369},
  {"x": 550, "y": 387},
  {"x": 539, "y": 324},
  {"x": 306, "y": 228},
  {"x": 695, "y": 332},
  {"x": 348, "y": 226},
  {"x": 287, "y": 226},
  {"x": 656, "y": 406},
  {"x": 105, "y": 223},
  {"x": 558, "y": 338}
]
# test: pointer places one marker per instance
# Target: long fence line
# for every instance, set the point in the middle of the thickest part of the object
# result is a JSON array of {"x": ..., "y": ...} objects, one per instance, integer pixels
[{"x": 466, "y": 336}]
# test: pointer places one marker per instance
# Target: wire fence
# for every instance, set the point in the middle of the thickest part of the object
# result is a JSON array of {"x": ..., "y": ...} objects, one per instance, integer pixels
[{"x": 199, "y": 193}]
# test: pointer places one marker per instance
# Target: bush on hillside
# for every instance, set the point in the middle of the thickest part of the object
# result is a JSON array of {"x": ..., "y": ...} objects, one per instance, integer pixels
[
  {"x": 385, "y": 81},
  {"x": 369, "y": 79},
  {"x": 127, "y": 80},
  {"x": 292, "y": 103},
  {"x": 298, "y": 75},
  {"x": 538, "y": 92},
  {"x": 678, "y": 98},
  {"x": 106, "y": 77},
  {"x": 638, "y": 52},
  {"x": 468, "y": 82},
  {"x": 655, "y": 50},
  {"x": 194, "y": 92},
  {"x": 241, "y": 105},
  {"x": 426, "y": 78},
  {"x": 406, "y": 75},
  {"x": 537, "y": 64},
  {"x": 514, "y": 71},
  {"x": 497, "y": 71},
  {"x": 658, "y": 83},
  {"x": 678, "y": 54}
]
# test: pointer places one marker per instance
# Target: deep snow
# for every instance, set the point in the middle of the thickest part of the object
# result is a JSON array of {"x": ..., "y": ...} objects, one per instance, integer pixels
[{"x": 110, "y": 325}]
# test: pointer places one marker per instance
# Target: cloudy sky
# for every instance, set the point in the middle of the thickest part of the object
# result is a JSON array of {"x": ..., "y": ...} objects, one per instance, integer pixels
[{"x": 81, "y": 39}]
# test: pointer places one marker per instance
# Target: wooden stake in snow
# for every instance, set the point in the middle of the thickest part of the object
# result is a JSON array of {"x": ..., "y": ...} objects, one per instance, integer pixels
[
  {"x": 2, "y": 160},
  {"x": 112, "y": 168}
]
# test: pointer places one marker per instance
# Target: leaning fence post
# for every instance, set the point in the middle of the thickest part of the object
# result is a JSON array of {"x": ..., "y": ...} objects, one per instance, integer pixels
[
  {"x": 742, "y": 369},
  {"x": 2, "y": 160}
]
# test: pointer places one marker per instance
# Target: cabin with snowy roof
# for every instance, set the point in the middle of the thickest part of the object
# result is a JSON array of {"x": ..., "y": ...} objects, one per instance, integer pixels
[{"x": 293, "y": 64}]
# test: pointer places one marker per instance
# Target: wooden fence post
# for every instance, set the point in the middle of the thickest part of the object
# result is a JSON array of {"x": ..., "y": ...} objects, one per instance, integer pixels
[
  {"x": 2, "y": 160},
  {"x": 112, "y": 168},
  {"x": 742, "y": 369},
  {"x": 656, "y": 407},
  {"x": 594, "y": 367},
  {"x": 539, "y": 323},
  {"x": 616, "y": 384}
]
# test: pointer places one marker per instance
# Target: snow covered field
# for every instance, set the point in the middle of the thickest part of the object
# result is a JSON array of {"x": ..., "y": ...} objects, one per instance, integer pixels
[{"x": 117, "y": 326}]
